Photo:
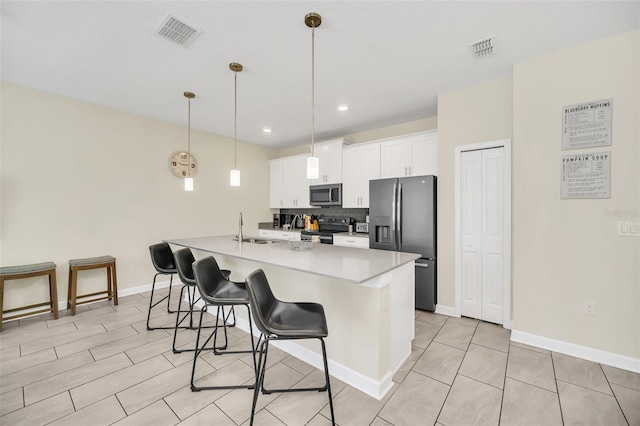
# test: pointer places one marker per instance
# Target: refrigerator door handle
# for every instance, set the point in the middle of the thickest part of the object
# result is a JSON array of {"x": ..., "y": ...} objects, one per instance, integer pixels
[
  {"x": 393, "y": 213},
  {"x": 399, "y": 216},
  {"x": 422, "y": 265}
]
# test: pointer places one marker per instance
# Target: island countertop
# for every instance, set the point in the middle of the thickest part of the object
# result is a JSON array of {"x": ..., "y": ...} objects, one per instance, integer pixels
[{"x": 349, "y": 264}]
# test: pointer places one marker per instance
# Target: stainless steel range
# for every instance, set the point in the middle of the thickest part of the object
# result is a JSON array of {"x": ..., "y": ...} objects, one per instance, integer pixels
[{"x": 327, "y": 227}]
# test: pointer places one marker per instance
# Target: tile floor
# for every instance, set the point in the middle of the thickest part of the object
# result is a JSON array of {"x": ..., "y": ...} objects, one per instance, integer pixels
[{"x": 103, "y": 367}]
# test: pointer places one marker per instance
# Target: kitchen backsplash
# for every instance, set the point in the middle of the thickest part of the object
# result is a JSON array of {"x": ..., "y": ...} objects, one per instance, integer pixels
[{"x": 359, "y": 215}]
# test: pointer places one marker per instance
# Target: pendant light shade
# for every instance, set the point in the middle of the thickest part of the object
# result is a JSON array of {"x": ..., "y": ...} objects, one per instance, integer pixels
[
  {"x": 234, "y": 177},
  {"x": 188, "y": 179},
  {"x": 313, "y": 20},
  {"x": 188, "y": 184},
  {"x": 234, "y": 174},
  {"x": 313, "y": 168}
]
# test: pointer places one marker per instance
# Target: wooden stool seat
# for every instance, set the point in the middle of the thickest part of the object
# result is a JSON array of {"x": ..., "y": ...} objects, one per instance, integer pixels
[
  {"x": 27, "y": 271},
  {"x": 76, "y": 265}
]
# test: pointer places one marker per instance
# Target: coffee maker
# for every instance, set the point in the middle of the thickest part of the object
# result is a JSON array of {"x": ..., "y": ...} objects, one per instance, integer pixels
[{"x": 276, "y": 220}]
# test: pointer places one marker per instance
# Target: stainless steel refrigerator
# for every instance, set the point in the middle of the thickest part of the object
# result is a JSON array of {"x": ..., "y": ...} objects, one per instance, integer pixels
[{"x": 402, "y": 217}]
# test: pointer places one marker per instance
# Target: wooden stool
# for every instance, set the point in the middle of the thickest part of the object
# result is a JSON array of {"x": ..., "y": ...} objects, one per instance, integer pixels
[
  {"x": 76, "y": 265},
  {"x": 26, "y": 271}
]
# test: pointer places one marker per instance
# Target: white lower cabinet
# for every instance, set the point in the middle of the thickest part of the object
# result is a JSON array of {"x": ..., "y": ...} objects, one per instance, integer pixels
[
  {"x": 274, "y": 234},
  {"x": 349, "y": 241}
]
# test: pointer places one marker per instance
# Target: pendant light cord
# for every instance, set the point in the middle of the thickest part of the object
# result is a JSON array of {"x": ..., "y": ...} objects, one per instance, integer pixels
[
  {"x": 313, "y": 89},
  {"x": 189, "y": 139},
  {"x": 235, "y": 124}
]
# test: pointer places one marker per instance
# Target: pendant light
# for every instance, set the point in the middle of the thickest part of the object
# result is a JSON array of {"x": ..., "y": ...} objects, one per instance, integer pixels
[
  {"x": 313, "y": 20},
  {"x": 234, "y": 175},
  {"x": 188, "y": 179}
]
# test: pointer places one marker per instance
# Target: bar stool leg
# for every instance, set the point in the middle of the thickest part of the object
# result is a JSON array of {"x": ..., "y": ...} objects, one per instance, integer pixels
[
  {"x": 1, "y": 300},
  {"x": 74, "y": 289},
  {"x": 69, "y": 289},
  {"x": 109, "y": 285},
  {"x": 53, "y": 294},
  {"x": 115, "y": 284}
]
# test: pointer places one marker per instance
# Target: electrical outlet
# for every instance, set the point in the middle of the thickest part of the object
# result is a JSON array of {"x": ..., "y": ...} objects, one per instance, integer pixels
[
  {"x": 589, "y": 307},
  {"x": 629, "y": 229}
]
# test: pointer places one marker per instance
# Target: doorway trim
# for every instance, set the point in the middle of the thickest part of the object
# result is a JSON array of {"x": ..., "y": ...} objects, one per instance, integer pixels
[{"x": 506, "y": 292}]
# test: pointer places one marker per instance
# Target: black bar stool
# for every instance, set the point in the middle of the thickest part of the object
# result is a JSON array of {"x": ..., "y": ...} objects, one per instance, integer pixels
[
  {"x": 279, "y": 320},
  {"x": 184, "y": 265},
  {"x": 217, "y": 291},
  {"x": 162, "y": 259}
]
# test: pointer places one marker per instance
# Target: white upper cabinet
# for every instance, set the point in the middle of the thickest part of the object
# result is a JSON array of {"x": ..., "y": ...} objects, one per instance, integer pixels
[
  {"x": 330, "y": 156},
  {"x": 412, "y": 155},
  {"x": 296, "y": 184},
  {"x": 289, "y": 186},
  {"x": 353, "y": 166},
  {"x": 361, "y": 163},
  {"x": 276, "y": 182}
]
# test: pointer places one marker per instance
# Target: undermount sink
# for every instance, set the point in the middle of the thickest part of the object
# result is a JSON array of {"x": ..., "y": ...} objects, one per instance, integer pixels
[{"x": 255, "y": 240}]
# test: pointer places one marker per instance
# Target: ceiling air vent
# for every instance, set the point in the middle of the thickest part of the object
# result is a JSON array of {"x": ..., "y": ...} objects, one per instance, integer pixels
[
  {"x": 484, "y": 47},
  {"x": 173, "y": 29}
]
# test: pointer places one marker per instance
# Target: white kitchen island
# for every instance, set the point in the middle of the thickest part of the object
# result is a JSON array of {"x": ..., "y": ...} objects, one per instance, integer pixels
[{"x": 368, "y": 297}]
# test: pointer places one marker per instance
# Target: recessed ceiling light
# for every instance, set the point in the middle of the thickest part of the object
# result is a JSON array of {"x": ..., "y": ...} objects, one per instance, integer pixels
[
  {"x": 266, "y": 130},
  {"x": 343, "y": 107}
]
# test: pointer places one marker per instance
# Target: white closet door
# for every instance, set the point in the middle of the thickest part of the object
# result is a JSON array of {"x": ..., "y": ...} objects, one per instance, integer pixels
[
  {"x": 471, "y": 228},
  {"x": 482, "y": 227},
  {"x": 492, "y": 235}
]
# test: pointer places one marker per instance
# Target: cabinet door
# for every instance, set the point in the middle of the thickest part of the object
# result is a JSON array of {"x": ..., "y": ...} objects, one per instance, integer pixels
[
  {"x": 394, "y": 159},
  {"x": 333, "y": 168},
  {"x": 424, "y": 156},
  {"x": 351, "y": 178},
  {"x": 344, "y": 241},
  {"x": 264, "y": 233},
  {"x": 276, "y": 181},
  {"x": 296, "y": 184},
  {"x": 302, "y": 183},
  {"x": 291, "y": 176},
  {"x": 330, "y": 156},
  {"x": 370, "y": 169}
]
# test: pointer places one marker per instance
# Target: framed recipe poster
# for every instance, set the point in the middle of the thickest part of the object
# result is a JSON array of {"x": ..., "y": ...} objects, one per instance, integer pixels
[
  {"x": 587, "y": 125},
  {"x": 586, "y": 175}
]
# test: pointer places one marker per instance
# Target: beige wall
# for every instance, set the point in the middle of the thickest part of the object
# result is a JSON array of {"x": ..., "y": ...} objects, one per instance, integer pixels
[
  {"x": 78, "y": 180},
  {"x": 475, "y": 114},
  {"x": 568, "y": 251},
  {"x": 422, "y": 125}
]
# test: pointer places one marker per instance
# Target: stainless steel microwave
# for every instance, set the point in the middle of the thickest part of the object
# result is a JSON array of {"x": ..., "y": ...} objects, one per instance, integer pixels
[{"x": 325, "y": 195}]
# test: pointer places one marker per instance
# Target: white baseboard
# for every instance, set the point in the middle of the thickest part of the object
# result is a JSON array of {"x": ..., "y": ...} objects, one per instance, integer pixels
[
  {"x": 584, "y": 352},
  {"x": 373, "y": 388},
  {"x": 133, "y": 290},
  {"x": 62, "y": 305},
  {"x": 445, "y": 310},
  {"x": 147, "y": 287}
]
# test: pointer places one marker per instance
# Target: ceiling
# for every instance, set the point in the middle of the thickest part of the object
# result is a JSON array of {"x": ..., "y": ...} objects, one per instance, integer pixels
[{"x": 388, "y": 60}]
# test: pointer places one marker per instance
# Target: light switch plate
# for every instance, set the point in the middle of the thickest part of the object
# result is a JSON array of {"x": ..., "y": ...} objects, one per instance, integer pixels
[{"x": 629, "y": 229}]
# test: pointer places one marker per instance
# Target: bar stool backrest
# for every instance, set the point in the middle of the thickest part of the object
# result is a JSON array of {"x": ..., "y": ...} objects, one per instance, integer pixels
[
  {"x": 184, "y": 263},
  {"x": 261, "y": 299},
  {"x": 209, "y": 278},
  {"x": 162, "y": 258}
]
